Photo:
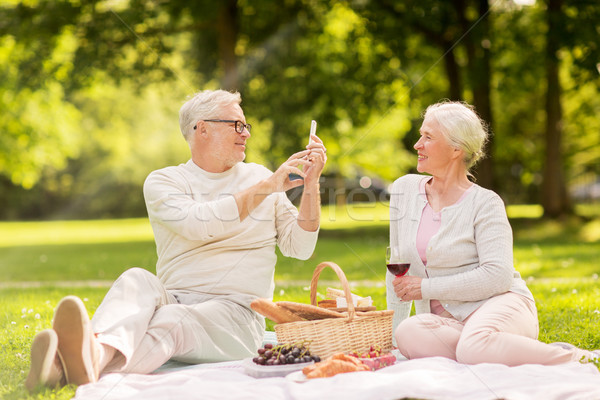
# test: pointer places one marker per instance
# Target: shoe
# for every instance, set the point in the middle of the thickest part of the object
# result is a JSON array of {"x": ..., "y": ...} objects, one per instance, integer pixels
[
  {"x": 564, "y": 345},
  {"x": 77, "y": 346},
  {"x": 46, "y": 368}
]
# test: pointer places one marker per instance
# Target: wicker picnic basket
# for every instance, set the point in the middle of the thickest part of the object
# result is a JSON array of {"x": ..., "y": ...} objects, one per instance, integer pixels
[{"x": 356, "y": 332}]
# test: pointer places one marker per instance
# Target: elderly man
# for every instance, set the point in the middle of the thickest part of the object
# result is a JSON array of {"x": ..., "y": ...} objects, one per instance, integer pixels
[{"x": 216, "y": 221}]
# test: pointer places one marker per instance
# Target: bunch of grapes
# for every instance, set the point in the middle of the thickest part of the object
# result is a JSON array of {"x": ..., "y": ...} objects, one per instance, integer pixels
[{"x": 283, "y": 353}]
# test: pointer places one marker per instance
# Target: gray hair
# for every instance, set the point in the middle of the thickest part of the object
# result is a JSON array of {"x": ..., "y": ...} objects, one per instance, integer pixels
[
  {"x": 204, "y": 105},
  {"x": 462, "y": 127}
]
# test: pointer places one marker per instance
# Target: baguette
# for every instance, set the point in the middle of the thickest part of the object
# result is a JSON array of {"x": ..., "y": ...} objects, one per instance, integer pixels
[
  {"x": 308, "y": 311},
  {"x": 277, "y": 314}
]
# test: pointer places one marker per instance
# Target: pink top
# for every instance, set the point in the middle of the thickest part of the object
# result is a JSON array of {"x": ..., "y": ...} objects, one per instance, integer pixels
[{"x": 428, "y": 226}]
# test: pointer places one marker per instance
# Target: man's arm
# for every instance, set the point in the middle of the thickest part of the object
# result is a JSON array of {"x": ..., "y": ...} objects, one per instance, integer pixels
[
  {"x": 248, "y": 199},
  {"x": 297, "y": 230},
  {"x": 313, "y": 159},
  {"x": 310, "y": 204}
]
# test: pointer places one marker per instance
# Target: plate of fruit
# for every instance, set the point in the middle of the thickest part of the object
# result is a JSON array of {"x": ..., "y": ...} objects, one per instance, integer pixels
[
  {"x": 375, "y": 358},
  {"x": 370, "y": 360},
  {"x": 273, "y": 360}
]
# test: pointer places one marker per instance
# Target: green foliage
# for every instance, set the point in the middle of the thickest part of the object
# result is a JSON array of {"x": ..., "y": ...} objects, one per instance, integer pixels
[
  {"x": 328, "y": 68},
  {"x": 92, "y": 89},
  {"x": 39, "y": 128}
]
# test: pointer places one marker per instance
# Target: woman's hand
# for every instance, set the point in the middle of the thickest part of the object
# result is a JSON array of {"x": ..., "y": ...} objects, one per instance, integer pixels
[{"x": 408, "y": 287}]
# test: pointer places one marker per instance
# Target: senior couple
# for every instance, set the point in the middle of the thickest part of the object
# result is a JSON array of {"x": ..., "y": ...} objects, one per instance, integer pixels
[{"x": 217, "y": 220}]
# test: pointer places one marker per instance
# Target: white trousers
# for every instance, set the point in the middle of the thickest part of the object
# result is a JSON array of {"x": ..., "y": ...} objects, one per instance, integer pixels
[
  {"x": 148, "y": 325},
  {"x": 503, "y": 330}
]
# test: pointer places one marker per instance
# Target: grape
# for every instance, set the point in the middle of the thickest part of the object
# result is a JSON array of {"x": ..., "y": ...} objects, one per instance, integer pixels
[{"x": 282, "y": 353}]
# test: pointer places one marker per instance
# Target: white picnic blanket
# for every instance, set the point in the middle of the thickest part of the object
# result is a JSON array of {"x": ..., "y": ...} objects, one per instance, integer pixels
[{"x": 430, "y": 378}]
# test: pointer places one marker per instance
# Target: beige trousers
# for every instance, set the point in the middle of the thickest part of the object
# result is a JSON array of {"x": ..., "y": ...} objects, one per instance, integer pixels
[
  {"x": 503, "y": 330},
  {"x": 149, "y": 325}
]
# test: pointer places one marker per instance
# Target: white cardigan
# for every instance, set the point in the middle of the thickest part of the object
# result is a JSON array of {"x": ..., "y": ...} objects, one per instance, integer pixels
[{"x": 469, "y": 259}]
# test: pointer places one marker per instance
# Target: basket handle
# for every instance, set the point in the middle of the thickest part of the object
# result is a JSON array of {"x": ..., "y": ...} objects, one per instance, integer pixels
[{"x": 343, "y": 280}]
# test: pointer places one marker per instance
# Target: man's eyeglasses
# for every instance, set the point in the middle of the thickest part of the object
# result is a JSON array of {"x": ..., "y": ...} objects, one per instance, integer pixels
[{"x": 239, "y": 125}]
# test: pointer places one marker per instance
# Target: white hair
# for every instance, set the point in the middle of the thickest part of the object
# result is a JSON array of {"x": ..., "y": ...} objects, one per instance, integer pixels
[
  {"x": 204, "y": 105},
  {"x": 462, "y": 127}
]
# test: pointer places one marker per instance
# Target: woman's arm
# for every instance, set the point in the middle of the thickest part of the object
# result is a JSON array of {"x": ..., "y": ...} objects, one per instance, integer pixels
[{"x": 495, "y": 271}]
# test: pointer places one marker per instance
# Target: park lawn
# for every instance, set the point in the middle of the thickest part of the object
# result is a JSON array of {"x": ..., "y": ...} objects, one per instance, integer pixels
[
  {"x": 44, "y": 261},
  {"x": 564, "y": 316}
]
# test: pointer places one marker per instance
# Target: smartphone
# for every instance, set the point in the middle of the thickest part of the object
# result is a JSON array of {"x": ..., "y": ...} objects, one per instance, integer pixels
[{"x": 313, "y": 130}]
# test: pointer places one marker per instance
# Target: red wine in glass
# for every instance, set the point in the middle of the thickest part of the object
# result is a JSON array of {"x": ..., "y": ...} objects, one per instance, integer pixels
[{"x": 398, "y": 269}]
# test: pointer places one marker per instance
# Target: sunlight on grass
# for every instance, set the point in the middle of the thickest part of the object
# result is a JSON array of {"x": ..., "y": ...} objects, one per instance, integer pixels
[
  {"x": 591, "y": 231},
  {"x": 524, "y": 211},
  {"x": 591, "y": 210},
  {"x": 61, "y": 232},
  {"x": 354, "y": 215}
]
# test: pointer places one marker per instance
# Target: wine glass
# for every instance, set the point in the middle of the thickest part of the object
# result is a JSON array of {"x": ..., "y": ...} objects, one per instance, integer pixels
[{"x": 394, "y": 265}]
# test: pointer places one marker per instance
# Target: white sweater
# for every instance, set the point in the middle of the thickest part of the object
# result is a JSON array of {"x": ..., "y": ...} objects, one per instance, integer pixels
[
  {"x": 202, "y": 245},
  {"x": 469, "y": 259}
]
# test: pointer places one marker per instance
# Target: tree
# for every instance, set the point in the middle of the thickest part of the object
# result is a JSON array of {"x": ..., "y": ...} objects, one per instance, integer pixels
[
  {"x": 460, "y": 31},
  {"x": 292, "y": 64},
  {"x": 364, "y": 70},
  {"x": 554, "y": 192},
  {"x": 573, "y": 25}
]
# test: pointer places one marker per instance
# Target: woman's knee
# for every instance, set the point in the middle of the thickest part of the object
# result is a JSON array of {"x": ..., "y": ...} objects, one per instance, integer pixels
[
  {"x": 407, "y": 335},
  {"x": 474, "y": 348}
]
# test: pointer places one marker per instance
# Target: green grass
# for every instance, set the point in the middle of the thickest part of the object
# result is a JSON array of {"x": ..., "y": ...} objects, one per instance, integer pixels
[
  {"x": 41, "y": 262},
  {"x": 569, "y": 310},
  {"x": 23, "y": 313}
]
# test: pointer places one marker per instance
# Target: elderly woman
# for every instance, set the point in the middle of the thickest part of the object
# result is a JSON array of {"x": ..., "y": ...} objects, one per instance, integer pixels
[{"x": 471, "y": 305}]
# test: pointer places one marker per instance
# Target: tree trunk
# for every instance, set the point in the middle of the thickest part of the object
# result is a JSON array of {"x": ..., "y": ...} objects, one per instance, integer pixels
[
  {"x": 453, "y": 73},
  {"x": 555, "y": 200},
  {"x": 477, "y": 44},
  {"x": 228, "y": 28}
]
